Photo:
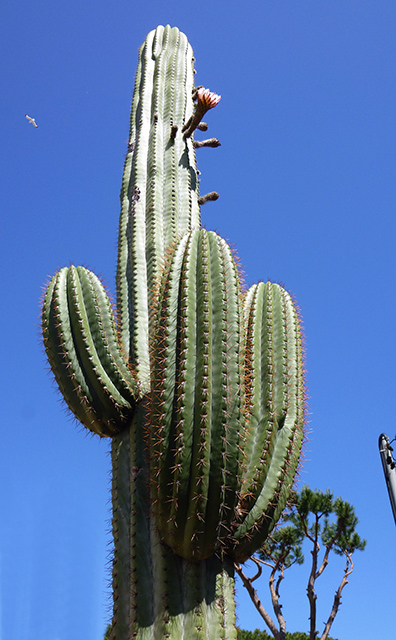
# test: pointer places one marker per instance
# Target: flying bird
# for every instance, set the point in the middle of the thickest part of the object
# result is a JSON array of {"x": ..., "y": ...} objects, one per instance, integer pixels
[{"x": 31, "y": 120}]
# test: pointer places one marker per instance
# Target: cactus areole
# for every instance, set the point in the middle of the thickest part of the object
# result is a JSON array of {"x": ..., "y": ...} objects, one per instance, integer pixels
[{"x": 198, "y": 384}]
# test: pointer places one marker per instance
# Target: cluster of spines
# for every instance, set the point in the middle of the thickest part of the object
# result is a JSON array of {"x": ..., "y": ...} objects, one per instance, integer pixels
[
  {"x": 196, "y": 404},
  {"x": 81, "y": 344}
]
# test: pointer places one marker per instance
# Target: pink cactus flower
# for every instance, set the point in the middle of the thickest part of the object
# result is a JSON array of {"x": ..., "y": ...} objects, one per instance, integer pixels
[{"x": 207, "y": 99}]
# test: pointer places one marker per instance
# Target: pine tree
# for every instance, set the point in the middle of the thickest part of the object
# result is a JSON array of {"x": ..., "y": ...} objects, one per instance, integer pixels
[{"x": 328, "y": 525}]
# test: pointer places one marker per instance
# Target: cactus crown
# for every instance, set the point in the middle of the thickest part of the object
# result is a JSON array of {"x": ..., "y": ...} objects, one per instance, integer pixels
[{"x": 199, "y": 385}]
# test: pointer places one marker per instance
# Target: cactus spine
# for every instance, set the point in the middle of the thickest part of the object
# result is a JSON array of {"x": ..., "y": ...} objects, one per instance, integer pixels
[{"x": 199, "y": 386}]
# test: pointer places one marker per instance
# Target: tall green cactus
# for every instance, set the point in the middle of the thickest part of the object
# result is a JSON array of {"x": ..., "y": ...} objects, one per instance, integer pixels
[{"x": 199, "y": 385}]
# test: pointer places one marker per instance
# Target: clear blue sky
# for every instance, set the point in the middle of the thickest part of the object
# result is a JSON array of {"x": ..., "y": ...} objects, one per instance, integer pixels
[{"x": 306, "y": 176}]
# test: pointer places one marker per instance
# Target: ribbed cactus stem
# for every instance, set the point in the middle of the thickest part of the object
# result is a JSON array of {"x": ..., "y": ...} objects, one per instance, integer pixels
[
  {"x": 161, "y": 165},
  {"x": 197, "y": 396},
  {"x": 275, "y": 403},
  {"x": 82, "y": 347},
  {"x": 158, "y": 594}
]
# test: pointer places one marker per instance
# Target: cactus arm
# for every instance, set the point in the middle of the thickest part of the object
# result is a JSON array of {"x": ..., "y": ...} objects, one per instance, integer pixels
[
  {"x": 163, "y": 170},
  {"x": 197, "y": 374},
  {"x": 267, "y": 384},
  {"x": 227, "y": 387},
  {"x": 58, "y": 343},
  {"x": 105, "y": 335},
  {"x": 92, "y": 342},
  {"x": 80, "y": 340},
  {"x": 276, "y": 396}
]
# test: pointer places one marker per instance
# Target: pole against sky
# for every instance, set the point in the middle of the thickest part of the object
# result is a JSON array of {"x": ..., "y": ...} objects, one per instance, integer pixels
[{"x": 305, "y": 173}]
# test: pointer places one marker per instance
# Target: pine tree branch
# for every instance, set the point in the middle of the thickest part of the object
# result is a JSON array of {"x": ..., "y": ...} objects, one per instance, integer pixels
[
  {"x": 279, "y": 580},
  {"x": 337, "y": 598},
  {"x": 329, "y": 547},
  {"x": 247, "y": 583},
  {"x": 311, "y": 581},
  {"x": 274, "y": 590},
  {"x": 258, "y": 564}
]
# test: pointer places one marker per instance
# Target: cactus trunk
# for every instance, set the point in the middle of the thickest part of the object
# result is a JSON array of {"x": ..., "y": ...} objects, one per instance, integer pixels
[
  {"x": 199, "y": 385},
  {"x": 159, "y": 195},
  {"x": 158, "y": 594}
]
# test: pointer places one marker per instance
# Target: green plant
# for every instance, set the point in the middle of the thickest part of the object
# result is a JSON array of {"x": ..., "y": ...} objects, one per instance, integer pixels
[
  {"x": 323, "y": 521},
  {"x": 199, "y": 385}
]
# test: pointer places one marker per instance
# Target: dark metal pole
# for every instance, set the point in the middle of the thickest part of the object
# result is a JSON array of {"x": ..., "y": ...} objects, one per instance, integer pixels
[{"x": 388, "y": 465}]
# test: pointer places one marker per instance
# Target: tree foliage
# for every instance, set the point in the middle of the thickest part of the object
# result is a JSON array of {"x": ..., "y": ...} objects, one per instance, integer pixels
[{"x": 329, "y": 525}]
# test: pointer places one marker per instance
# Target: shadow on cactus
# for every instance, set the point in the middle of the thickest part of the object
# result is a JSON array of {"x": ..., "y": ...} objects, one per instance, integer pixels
[{"x": 198, "y": 384}]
